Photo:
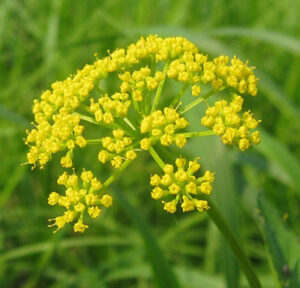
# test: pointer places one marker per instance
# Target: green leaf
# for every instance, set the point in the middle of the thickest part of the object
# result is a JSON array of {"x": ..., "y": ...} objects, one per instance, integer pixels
[
  {"x": 276, "y": 39},
  {"x": 10, "y": 184},
  {"x": 282, "y": 245},
  {"x": 281, "y": 159},
  {"x": 189, "y": 277},
  {"x": 225, "y": 194},
  {"x": 9, "y": 115},
  {"x": 183, "y": 226},
  {"x": 277, "y": 97},
  {"x": 63, "y": 244},
  {"x": 163, "y": 273}
]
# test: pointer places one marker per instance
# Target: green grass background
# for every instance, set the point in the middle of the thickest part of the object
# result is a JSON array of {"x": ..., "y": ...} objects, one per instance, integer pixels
[{"x": 135, "y": 243}]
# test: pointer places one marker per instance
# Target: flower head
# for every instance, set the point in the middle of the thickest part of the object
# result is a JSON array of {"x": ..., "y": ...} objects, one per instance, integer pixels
[
  {"x": 180, "y": 185},
  {"x": 137, "y": 121},
  {"x": 81, "y": 198}
]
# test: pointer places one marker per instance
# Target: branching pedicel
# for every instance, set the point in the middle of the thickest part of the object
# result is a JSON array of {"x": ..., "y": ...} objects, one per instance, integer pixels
[{"x": 137, "y": 122}]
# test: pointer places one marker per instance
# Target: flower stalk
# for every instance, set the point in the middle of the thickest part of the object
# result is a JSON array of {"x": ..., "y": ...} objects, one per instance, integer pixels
[
  {"x": 226, "y": 231},
  {"x": 159, "y": 89},
  {"x": 197, "y": 101},
  {"x": 234, "y": 244}
]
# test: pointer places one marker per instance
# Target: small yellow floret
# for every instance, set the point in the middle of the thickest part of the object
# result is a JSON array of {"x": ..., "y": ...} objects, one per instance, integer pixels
[
  {"x": 79, "y": 226},
  {"x": 106, "y": 200},
  {"x": 201, "y": 205},
  {"x": 155, "y": 180},
  {"x": 174, "y": 189},
  {"x": 53, "y": 198},
  {"x": 131, "y": 155},
  {"x": 94, "y": 211},
  {"x": 103, "y": 156},
  {"x": 87, "y": 176},
  {"x": 169, "y": 169},
  {"x": 205, "y": 188},
  {"x": 196, "y": 90},
  {"x": 157, "y": 193},
  {"x": 145, "y": 143},
  {"x": 66, "y": 162},
  {"x": 187, "y": 205},
  {"x": 170, "y": 206}
]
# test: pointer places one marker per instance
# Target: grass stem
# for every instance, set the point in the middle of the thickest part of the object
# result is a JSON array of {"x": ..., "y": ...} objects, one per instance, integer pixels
[{"x": 235, "y": 245}]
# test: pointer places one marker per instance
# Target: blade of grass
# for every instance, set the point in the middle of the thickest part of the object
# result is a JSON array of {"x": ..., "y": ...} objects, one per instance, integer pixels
[
  {"x": 277, "y": 97},
  {"x": 9, "y": 115},
  {"x": 10, "y": 184},
  {"x": 162, "y": 271},
  {"x": 43, "y": 261},
  {"x": 274, "y": 38},
  {"x": 185, "y": 224},
  {"x": 281, "y": 158},
  {"x": 52, "y": 32},
  {"x": 212, "y": 241},
  {"x": 283, "y": 258},
  {"x": 27, "y": 250},
  {"x": 3, "y": 15},
  {"x": 189, "y": 277}
]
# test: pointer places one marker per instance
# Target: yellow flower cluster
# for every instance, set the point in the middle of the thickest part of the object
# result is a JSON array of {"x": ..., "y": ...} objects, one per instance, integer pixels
[
  {"x": 188, "y": 69},
  {"x": 224, "y": 119},
  {"x": 64, "y": 133},
  {"x": 56, "y": 127},
  {"x": 238, "y": 76},
  {"x": 133, "y": 114},
  {"x": 182, "y": 186},
  {"x": 194, "y": 68},
  {"x": 140, "y": 82},
  {"x": 117, "y": 150},
  {"x": 163, "y": 125},
  {"x": 80, "y": 197},
  {"x": 108, "y": 108}
]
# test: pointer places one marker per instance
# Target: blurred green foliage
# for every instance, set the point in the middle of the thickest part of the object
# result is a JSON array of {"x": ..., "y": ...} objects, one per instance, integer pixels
[{"x": 135, "y": 243}]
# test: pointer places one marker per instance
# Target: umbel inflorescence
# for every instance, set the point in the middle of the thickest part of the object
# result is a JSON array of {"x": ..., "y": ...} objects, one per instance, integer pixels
[{"x": 136, "y": 121}]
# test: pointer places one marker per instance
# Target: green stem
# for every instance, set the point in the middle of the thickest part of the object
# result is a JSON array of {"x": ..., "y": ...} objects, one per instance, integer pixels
[
  {"x": 235, "y": 245},
  {"x": 222, "y": 225},
  {"x": 180, "y": 94},
  {"x": 94, "y": 141},
  {"x": 129, "y": 123},
  {"x": 124, "y": 126},
  {"x": 197, "y": 101},
  {"x": 156, "y": 158},
  {"x": 198, "y": 134},
  {"x": 159, "y": 89},
  {"x": 114, "y": 176},
  {"x": 92, "y": 120},
  {"x": 136, "y": 107},
  {"x": 109, "y": 126}
]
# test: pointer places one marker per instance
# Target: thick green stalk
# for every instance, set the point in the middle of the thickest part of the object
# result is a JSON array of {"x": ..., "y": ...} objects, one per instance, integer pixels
[
  {"x": 222, "y": 225},
  {"x": 235, "y": 245}
]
